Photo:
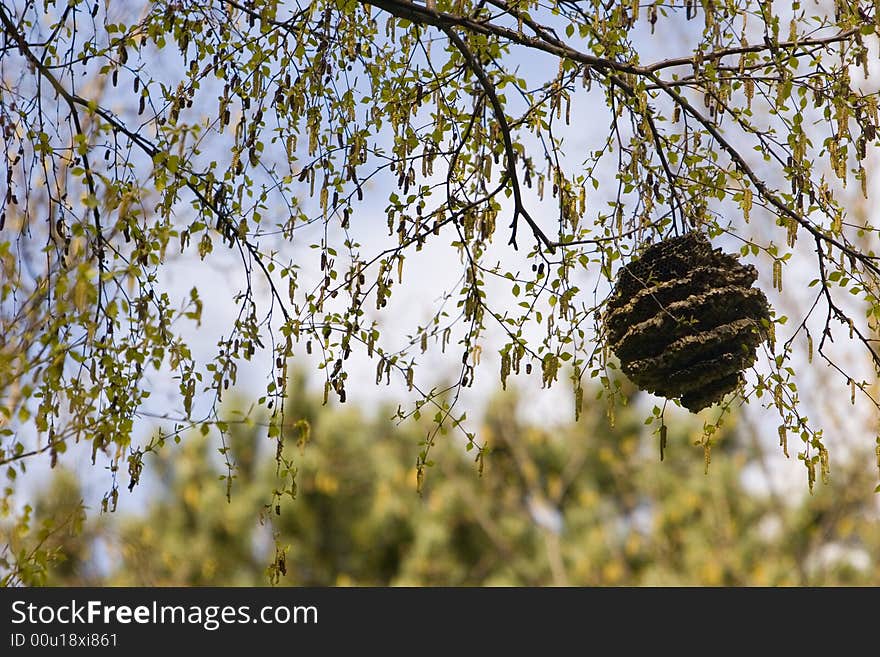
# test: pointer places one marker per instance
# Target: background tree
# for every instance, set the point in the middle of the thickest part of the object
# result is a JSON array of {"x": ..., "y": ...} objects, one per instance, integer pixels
[
  {"x": 579, "y": 503},
  {"x": 281, "y": 136}
]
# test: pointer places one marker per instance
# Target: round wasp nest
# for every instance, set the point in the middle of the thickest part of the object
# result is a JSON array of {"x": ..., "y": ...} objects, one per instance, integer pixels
[{"x": 685, "y": 321}]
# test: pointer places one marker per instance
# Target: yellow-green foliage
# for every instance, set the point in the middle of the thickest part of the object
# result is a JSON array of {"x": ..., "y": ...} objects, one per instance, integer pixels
[{"x": 627, "y": 518}]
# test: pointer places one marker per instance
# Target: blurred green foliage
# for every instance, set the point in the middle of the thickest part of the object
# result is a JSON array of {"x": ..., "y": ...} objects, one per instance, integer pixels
[{"x": 566, "y": 503}]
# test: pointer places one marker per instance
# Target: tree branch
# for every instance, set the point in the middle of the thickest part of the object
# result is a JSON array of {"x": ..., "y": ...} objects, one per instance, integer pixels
[
  {"x": 150, "y": 149},
  {"x": 510, "y": 153}
]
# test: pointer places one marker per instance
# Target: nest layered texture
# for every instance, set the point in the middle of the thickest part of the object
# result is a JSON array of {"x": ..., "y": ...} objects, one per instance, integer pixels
[{"x": 685, "y": 321}]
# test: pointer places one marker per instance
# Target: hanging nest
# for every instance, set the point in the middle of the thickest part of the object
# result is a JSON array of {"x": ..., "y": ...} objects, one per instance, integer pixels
[{"x": 685, "y": 321}]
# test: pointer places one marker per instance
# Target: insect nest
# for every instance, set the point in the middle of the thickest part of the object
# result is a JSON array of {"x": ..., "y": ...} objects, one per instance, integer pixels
[{"x": 685, "y": 321}]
